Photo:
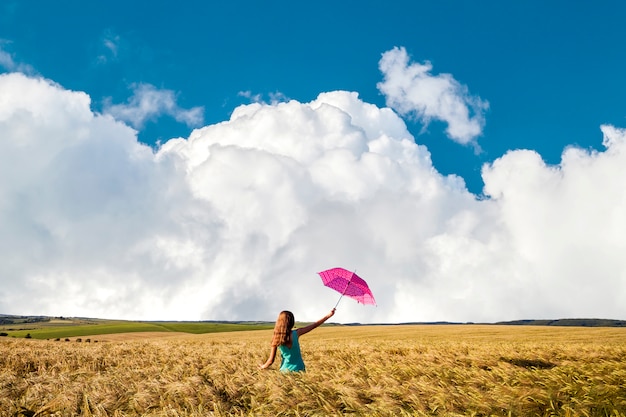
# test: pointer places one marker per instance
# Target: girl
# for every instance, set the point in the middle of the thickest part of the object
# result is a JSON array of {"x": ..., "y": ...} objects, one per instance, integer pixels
[{"x": 286, "y": 340}]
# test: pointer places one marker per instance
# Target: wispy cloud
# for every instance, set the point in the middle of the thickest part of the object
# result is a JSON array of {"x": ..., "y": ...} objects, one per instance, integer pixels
[
  {"x": 274, "y": 98},
  {"x": 7, "y": 61},
  {"x": 149, "y": 103},
  {"x": 411, "y": 89},
  {"x": 110, "y": 46},
  {"x": 254, "y": 98}
]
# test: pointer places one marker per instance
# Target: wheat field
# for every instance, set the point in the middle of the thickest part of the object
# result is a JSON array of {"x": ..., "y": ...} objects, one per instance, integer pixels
[{"x": 444, "y": 370}]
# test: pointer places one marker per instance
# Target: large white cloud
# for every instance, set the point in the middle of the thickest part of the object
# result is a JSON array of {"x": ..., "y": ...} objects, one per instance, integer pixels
[
  {"x": 85, "y": 210},
  {"x": 567, "y": 223},
  {"x": 234, "y": 221}
]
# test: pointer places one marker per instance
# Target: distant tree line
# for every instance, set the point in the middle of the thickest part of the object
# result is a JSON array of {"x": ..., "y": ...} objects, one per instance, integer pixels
[
  {"x": 22, "y": 319},
  {"x": 568, "y": 322}
]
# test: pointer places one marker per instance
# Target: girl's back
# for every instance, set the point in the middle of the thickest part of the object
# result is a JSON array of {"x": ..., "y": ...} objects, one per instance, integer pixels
[{"x": 291, "y": 356}]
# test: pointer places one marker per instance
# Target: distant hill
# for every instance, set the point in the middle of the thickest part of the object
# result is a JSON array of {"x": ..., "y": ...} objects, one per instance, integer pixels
[
  {"x": 7, "y": 319},
  {"x": 558, "y": 322},
  {"x": 567, "y": 322}
]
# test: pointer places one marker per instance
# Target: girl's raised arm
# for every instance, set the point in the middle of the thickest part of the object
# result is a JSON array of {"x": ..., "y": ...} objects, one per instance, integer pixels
[{"x": 306, "y": 329}]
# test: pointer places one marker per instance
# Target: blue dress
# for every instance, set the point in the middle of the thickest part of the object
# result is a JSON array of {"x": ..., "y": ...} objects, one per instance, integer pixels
[{"x": 291, "y": 357}]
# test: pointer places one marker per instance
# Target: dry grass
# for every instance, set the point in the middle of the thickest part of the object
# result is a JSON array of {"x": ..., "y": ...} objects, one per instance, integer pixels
[{"x": 386, "y": 371}]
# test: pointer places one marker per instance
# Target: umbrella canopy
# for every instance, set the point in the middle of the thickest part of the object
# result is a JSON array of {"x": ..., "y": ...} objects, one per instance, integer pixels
[{"x": 348, "y": 283}]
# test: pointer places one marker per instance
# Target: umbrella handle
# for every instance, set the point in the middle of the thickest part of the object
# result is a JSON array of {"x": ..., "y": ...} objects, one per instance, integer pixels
[
  {"x": 345, "y": 289},
  {"x": 338, "y": 301}
]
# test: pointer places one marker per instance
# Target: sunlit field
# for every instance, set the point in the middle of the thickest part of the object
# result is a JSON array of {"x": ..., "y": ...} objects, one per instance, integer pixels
[{"x": 369, "y": 370}]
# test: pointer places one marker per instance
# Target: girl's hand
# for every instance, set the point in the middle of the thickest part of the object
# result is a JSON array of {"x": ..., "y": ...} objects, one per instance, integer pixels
[{"x": 332, "y": 313}]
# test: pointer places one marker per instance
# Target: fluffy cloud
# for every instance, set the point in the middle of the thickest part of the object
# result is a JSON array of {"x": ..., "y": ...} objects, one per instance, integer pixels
[
  {"x": 566, "y": 223},
  {"x": 411, "y": 89},
  {"x": 234, "y": 221},
  {"x": 85, "y": 210},
  {"x": 148, "y": 102}
]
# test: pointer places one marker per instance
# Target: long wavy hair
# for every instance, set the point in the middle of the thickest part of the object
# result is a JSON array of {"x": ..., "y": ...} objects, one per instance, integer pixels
[{"x": 282, "y": 329}]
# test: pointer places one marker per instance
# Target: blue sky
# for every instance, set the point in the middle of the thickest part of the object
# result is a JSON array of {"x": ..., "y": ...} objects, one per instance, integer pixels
[{"x": 528, "y": 75}]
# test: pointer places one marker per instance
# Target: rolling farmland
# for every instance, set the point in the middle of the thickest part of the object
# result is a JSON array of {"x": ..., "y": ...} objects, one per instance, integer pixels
[{"x": 351, "y": 370}]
